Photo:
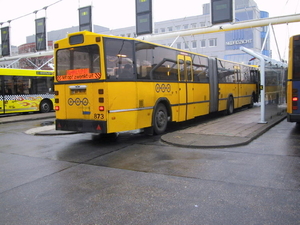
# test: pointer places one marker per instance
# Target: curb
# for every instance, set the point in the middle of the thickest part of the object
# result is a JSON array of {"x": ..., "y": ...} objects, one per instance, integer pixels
[
  {"x": 48, "y": 130},
  {"x": 20, "y": 118},
  {"x": 189, "y": 140}
]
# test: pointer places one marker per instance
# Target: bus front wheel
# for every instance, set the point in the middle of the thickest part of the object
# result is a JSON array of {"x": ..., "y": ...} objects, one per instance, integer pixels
[{"x": 160, "y": 119}]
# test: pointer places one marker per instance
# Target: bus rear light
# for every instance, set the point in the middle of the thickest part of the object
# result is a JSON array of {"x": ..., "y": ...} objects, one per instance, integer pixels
[
  {"x": 100, "y": 91},
  {"x": 101, "y": 100},
  {"x": 101, "y": 108},
  {"x": 56, "y": 92},
  {"x": 295, "y": 103},
  {"x": 57, "y": 108},
  {"x": 57, "y": 100},
  {"x": 56, "y": 45}
]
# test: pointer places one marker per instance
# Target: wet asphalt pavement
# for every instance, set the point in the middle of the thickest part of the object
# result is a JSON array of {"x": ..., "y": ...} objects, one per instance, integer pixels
[{"x": 136, "y": 179}]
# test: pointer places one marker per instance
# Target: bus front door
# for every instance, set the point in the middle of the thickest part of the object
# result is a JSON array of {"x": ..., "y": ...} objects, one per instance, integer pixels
[{"x": 186, "y": 88}]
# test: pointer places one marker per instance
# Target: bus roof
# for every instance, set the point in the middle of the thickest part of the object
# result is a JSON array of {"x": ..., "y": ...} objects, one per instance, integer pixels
[{"x": 92, "y": 35}]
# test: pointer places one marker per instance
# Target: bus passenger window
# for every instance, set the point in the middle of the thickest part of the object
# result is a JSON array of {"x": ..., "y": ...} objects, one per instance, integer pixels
[
  {"x": 144, "y": 57},
  {"x": 119, "y": 56},
  {"x": 8, "y": 83},
  {"x": 127, "y": 72}
]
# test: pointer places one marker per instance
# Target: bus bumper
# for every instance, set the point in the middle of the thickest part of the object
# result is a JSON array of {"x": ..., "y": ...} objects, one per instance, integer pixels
[
  {"x": 293, "y": 117},
  {"x": 88, "y": 126}
]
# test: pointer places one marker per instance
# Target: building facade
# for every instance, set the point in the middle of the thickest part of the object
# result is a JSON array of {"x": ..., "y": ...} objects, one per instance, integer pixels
[{"x": 224, "y": 45}]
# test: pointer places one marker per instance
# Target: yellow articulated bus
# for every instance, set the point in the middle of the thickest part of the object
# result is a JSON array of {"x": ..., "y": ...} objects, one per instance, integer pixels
[
  {"x": 26, "y": 90},
  {"x": 108, "y": 84}
]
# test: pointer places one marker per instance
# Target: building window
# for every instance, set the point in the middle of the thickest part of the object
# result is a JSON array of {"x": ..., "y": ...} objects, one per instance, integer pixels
[
  {"x": 177, "y": 27},
  {"x": 185, "y": 26},
  {"x": 202, "y": 43},
  {"x": 156, "y": 31},
  {"x": 212, "y": 42},
  {"x": 186, "y": 45},
  {"x": 194, "y": 25},
  {"x": 194, "y": 44},
  {"x": 202, "y": 24},
  {"x": 170, "y": 28},
  {"x": 178, "y": 45},
  {"x": 162, "y": 30}
]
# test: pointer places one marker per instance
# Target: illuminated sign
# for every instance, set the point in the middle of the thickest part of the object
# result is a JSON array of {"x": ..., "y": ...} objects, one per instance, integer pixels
[
  {"x": 79, "y": 74},
  {"x": 143, "y": 17},
  {"x": 40, "y": 34},
  {"x": 5, "y": 41},
  {"x": 85, "y": 18},
  {"x": 222, "y": 11},
  {"x": 143, "y": 6}
]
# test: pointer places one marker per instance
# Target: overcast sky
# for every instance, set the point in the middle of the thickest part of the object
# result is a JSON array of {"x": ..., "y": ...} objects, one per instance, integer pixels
[{"x": 121, "y": 13}]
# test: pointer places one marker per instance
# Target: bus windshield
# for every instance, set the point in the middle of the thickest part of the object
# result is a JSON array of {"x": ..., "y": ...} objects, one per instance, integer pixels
[{"x": 79, "y": 63}]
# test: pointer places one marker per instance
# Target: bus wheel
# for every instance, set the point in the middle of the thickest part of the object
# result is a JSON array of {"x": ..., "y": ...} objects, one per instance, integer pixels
[
  {"x": 45, "y": 106},
  {"x": 230, "y": 106},
  {"x": 251, "y": 102},
  {"x": 160, "y": 119}
]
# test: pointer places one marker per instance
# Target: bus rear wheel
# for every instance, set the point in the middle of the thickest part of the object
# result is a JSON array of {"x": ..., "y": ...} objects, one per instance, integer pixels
[
  {"x": 45, "y": 106},
  {"x": 251, "y": 102},
  {"x": 230, "y": 106},
  {"x": 160, "y": 119}
]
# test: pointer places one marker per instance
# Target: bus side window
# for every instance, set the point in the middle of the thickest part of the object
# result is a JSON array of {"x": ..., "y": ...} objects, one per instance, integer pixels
[
  {"x": 144, "y": 57},
  {"x": 118, "y": 54},
  {"x": 8, "y": 84}
]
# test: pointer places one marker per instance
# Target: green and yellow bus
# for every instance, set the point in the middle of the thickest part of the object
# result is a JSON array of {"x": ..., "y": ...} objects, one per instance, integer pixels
[
  {"x": 108, "y": 84},
  {"x": 26, "y": 90},
  {"x": 293, "y": 81}
]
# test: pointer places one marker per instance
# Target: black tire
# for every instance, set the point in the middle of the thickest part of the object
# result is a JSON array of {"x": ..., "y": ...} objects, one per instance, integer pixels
[
  {"x": 251, "y": 102},
  {"x": 160, "y": 119},
  {"x": 45, "y": 106},
  {"x": 230, "y": 106}
]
